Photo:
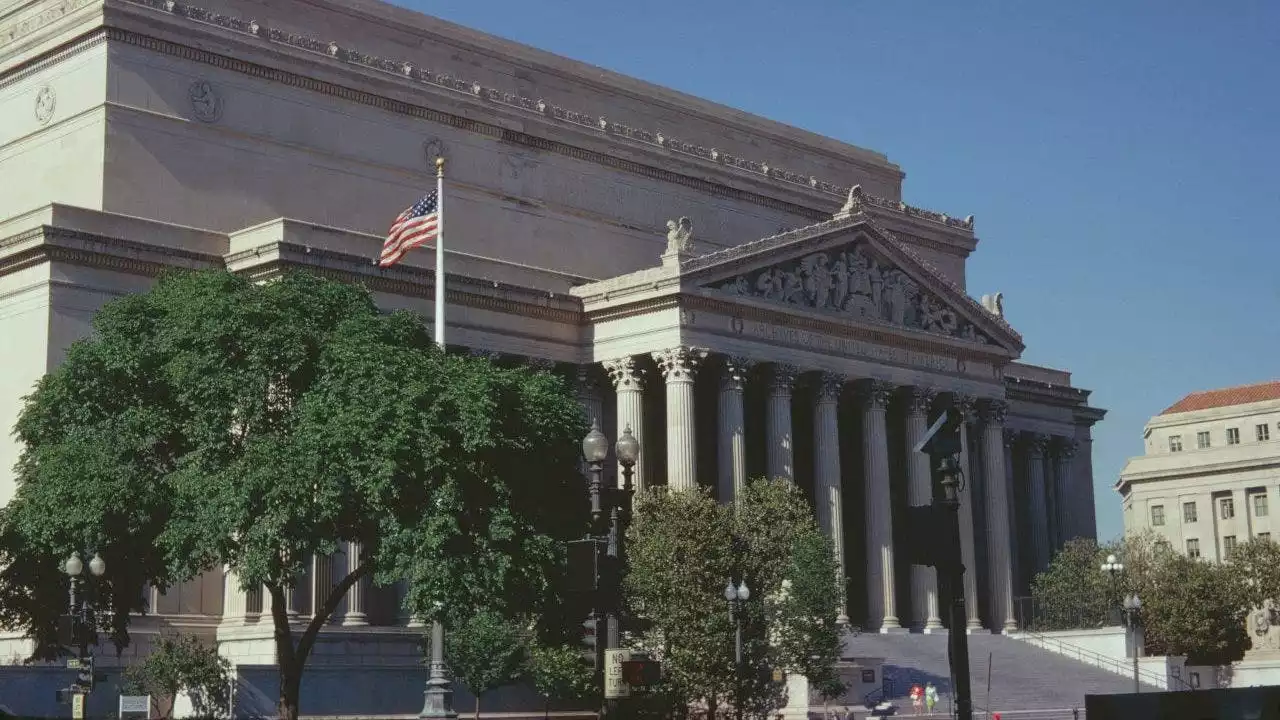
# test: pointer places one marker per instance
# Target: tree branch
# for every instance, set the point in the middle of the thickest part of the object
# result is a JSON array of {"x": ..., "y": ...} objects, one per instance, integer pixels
[{"x": 307, "y": 642}]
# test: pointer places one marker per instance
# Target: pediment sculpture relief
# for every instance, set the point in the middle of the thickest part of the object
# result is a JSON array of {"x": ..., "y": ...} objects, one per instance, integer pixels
[{"x": 854, "y": 282}]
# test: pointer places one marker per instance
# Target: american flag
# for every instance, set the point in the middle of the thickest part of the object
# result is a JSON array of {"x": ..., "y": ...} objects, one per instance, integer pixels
[{"x": 414, "y": 227}]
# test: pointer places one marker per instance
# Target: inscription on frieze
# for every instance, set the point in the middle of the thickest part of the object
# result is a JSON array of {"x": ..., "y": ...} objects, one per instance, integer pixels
[
  {"x": 844, "y": 346},
  {"x": 853, "y": 281}
]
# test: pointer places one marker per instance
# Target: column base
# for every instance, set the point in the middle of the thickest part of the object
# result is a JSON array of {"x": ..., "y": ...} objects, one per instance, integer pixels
[
  {"x": 355, "y": 620},
  {"x": 933, "y": 624},
  {"x": 894, "y": 630},
  {"x": 935, "y": 631},
  {"x": 1010, "y": 628}
]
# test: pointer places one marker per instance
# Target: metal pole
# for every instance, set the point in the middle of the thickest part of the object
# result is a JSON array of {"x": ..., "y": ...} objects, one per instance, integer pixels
[{"x": 954, "y": 571}]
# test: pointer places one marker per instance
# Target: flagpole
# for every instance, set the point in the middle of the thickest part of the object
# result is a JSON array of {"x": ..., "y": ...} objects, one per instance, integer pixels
[{"x": 440, "y": 253}]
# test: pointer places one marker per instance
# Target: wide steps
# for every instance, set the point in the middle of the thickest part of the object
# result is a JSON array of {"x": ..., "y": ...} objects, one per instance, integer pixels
[{"x": 1026, "y": 682}]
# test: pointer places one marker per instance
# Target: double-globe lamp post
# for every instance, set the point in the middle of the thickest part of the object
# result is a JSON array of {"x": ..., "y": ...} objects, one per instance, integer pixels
[
  {"x": 77, "y": 608},
  {"x": 1132, "y": 608},
  {"x": 736, "y": 596},
  {"x": 616, "y": 504}
]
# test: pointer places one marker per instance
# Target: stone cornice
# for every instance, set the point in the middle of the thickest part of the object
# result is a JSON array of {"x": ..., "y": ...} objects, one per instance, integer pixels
[
  {"x": 53, "y": 244},
  {"x": 407, "y": 281},
  {"x": 404, "y": 71}
]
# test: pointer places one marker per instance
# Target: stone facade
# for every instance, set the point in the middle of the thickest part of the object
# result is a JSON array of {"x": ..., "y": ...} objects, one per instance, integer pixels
[{"x": 750, "y": 298}]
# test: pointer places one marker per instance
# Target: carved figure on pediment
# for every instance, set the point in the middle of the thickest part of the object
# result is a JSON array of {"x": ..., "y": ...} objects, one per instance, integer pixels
[
  {"x": 792, "y": 286},
  {"x": 737, "y": 286},
  {"x": 769, "y": 284},
  {"x": 839, "y": 280},
  {"x": 817, "y": 280},
  {"x": 938, "y": 317},
  {"x": 679, "y": 236},
  {"x": 893, "y": 305}
]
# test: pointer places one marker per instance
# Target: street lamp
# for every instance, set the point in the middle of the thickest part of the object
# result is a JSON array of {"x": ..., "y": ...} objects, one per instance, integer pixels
[
  {"x": 1133, "y": 624},
  {"x": 736, "y": 596},
  {"x": 1112, "y": 567},
  {"x": 616, "y": 503}
]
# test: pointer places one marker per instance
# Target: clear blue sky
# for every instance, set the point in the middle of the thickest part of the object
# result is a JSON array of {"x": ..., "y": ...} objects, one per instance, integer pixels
[{"x": 1122, "y": 158}]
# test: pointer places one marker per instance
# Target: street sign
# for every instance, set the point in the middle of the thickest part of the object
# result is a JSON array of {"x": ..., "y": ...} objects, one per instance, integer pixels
[
  {"x": 135, "y": 705},
  {"x": 615, "y": 685},
  {"x": 77, "y": 706}
]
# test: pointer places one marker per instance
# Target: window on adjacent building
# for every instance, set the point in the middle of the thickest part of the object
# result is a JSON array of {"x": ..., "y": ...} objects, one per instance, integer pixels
[
  {"x": 1193, "y": 548},
  {"x": 1233, "y": 436},
  {"x": 1228, "y": 507},
  {"x": 1157, "y": 515},
  {"x": 1228, "y": 546},
  {"x": 1259, "y": 505},
  {"x": 1175, "y": 443},
  {"x": 1264, "y": 432},
  {"x": 1189, "y": 514},
  {"x": 1202, "y": 439},
  {"x": 1264, "y": 536}
]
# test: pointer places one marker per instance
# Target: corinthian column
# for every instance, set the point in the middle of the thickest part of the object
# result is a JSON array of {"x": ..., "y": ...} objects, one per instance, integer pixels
[
  {"x": 586, "y": 385},
  {"x": 677, "y": 366},
  {"x": 999, "y": 542},
  {"x": 1064, "y": 450},
  {"x": 235, "y": 601},
  {"x": 924, "y": 580},
  {"x": 826, "y": 465},
  {"x": 881, "y": 597},
  {"x": 731, "y": 436},
  {"x": 355, "y": 615},
  {"x": 1037, "y": 498},
  {"x": 779, "y": 461},
  {"x": 627, "y": 378},
  {"x": 968, "y": 555}
]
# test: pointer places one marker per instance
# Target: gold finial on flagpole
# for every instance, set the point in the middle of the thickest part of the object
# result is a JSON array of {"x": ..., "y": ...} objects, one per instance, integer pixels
[{"x": 440, "y": 167}]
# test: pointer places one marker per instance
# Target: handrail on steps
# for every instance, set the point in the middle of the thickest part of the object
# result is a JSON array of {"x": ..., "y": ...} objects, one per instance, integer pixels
[{"x": 1098, "y": 659}]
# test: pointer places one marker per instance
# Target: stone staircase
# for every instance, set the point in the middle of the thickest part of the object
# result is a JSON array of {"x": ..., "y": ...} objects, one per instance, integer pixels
[{"x": 1027, "y": 682}]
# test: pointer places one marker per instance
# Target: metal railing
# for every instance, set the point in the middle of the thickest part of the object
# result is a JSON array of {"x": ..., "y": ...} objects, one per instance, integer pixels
[{"x": 1120, "y": 667}]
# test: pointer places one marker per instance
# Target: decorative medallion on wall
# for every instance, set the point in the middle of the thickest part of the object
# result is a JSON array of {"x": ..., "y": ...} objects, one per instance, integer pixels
[
  {"x": 46, "y": 101},
  {"x": 205, "y": 103},
  {"x": 432, "y": 148}
]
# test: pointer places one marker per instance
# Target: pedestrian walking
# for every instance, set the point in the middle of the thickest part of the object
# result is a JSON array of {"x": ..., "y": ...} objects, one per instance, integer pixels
[
  {"x": 917, "y": 698},
  {"x": 930, "y": 696}
]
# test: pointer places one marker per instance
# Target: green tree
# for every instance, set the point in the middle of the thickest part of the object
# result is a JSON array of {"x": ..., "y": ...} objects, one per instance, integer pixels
[
  {"x": 178, "y": 664},
  {"x": 486, "y": 651},
  {"x": 1257, "y": 567},
  {"x": 559, "y": 672},
  {"x": 1073, "y": 592},
  {"x": 257, "y": 424},
  {"x": 684, "y": 547},
  {"x": 1195, "y": 609}
]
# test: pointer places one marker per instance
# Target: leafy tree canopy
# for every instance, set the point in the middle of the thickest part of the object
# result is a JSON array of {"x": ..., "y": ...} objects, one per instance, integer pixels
[
  {"x": 216, "y": 421},
  {"x": 178, "y": 664},
  {"x": 684, "y": 548},
  {"x": 486, "y": 651}
]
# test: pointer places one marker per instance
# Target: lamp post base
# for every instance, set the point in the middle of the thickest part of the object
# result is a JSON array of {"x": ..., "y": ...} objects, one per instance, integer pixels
[{"x": 437, "y": 700}]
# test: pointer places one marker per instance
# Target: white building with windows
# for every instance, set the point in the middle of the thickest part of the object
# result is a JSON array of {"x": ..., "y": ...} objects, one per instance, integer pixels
[{"x": 1210, "y": 471}]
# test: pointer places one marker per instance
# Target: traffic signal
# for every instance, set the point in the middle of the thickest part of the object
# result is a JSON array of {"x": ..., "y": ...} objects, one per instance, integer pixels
[
  {"x": 641, "y": 673},
  {"x": 589, "y": 641},
  {"x": 85, "y": 675}
]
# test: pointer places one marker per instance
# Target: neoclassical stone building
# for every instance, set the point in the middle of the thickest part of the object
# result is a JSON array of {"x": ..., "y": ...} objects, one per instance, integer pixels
[{"x": 751, "y": 298}]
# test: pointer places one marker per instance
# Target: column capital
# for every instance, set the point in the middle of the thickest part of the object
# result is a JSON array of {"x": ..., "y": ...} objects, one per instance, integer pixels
[
  {"x": 994, "y": 411},
  {"x": 828, "y": 386},
  {"x": 586, "y": 380},
  {"x": 734, "y": 376},
  {"x": 782, "y": 378},
  {"x": 1011, "y": 437},
  {"x": 919, "y": 399},
  {"x": 1037, "y": 444},
  {"x": 876, "y": 394},
  {"x": 625, "y": 373},
  {"x": 1064, "y": 447},
  {"x": 966, "y": 404},
  {"x": 678, "y": 363}
]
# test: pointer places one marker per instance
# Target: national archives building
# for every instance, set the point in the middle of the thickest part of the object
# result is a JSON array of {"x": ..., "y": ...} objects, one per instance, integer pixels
[{"x": 752, "y": 299}]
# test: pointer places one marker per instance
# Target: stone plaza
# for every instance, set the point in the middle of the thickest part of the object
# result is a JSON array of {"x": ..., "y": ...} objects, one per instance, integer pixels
[{"x": 750, "y": 298}]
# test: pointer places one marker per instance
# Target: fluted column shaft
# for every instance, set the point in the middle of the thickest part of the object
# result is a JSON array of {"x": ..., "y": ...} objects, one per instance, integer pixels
[
  {"x": 779, "y": 455},
  {"x": 678, "y": 365},
  {"x": 356, "y": 611},
  {"x": 1037, "y": 499},
  {"x": 627, "y": 380},
  {"x": 999, "y": 542},
  {"x": 586, "y": 385},
  {"x": 924, "y": 580},
  {"x": 321, "y": 581},
  {"x": 235, "y": 601},
  {"x": 1064, "y": 449},
  {"x": 881, "y": 593},
  {"x": 826, "y": 465},
  {"x": 731, "y": 445},
  {"x": 968, "y": 554}
]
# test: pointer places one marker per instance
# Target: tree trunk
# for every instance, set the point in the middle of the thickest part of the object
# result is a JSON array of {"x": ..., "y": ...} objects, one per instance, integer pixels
[
  {"x": 477, "y": 706},
  {"x": 290, "y": 685}
]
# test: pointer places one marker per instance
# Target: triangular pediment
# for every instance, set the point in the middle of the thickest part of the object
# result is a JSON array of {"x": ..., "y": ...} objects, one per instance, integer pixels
[{"x": 855, "y": 270}]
